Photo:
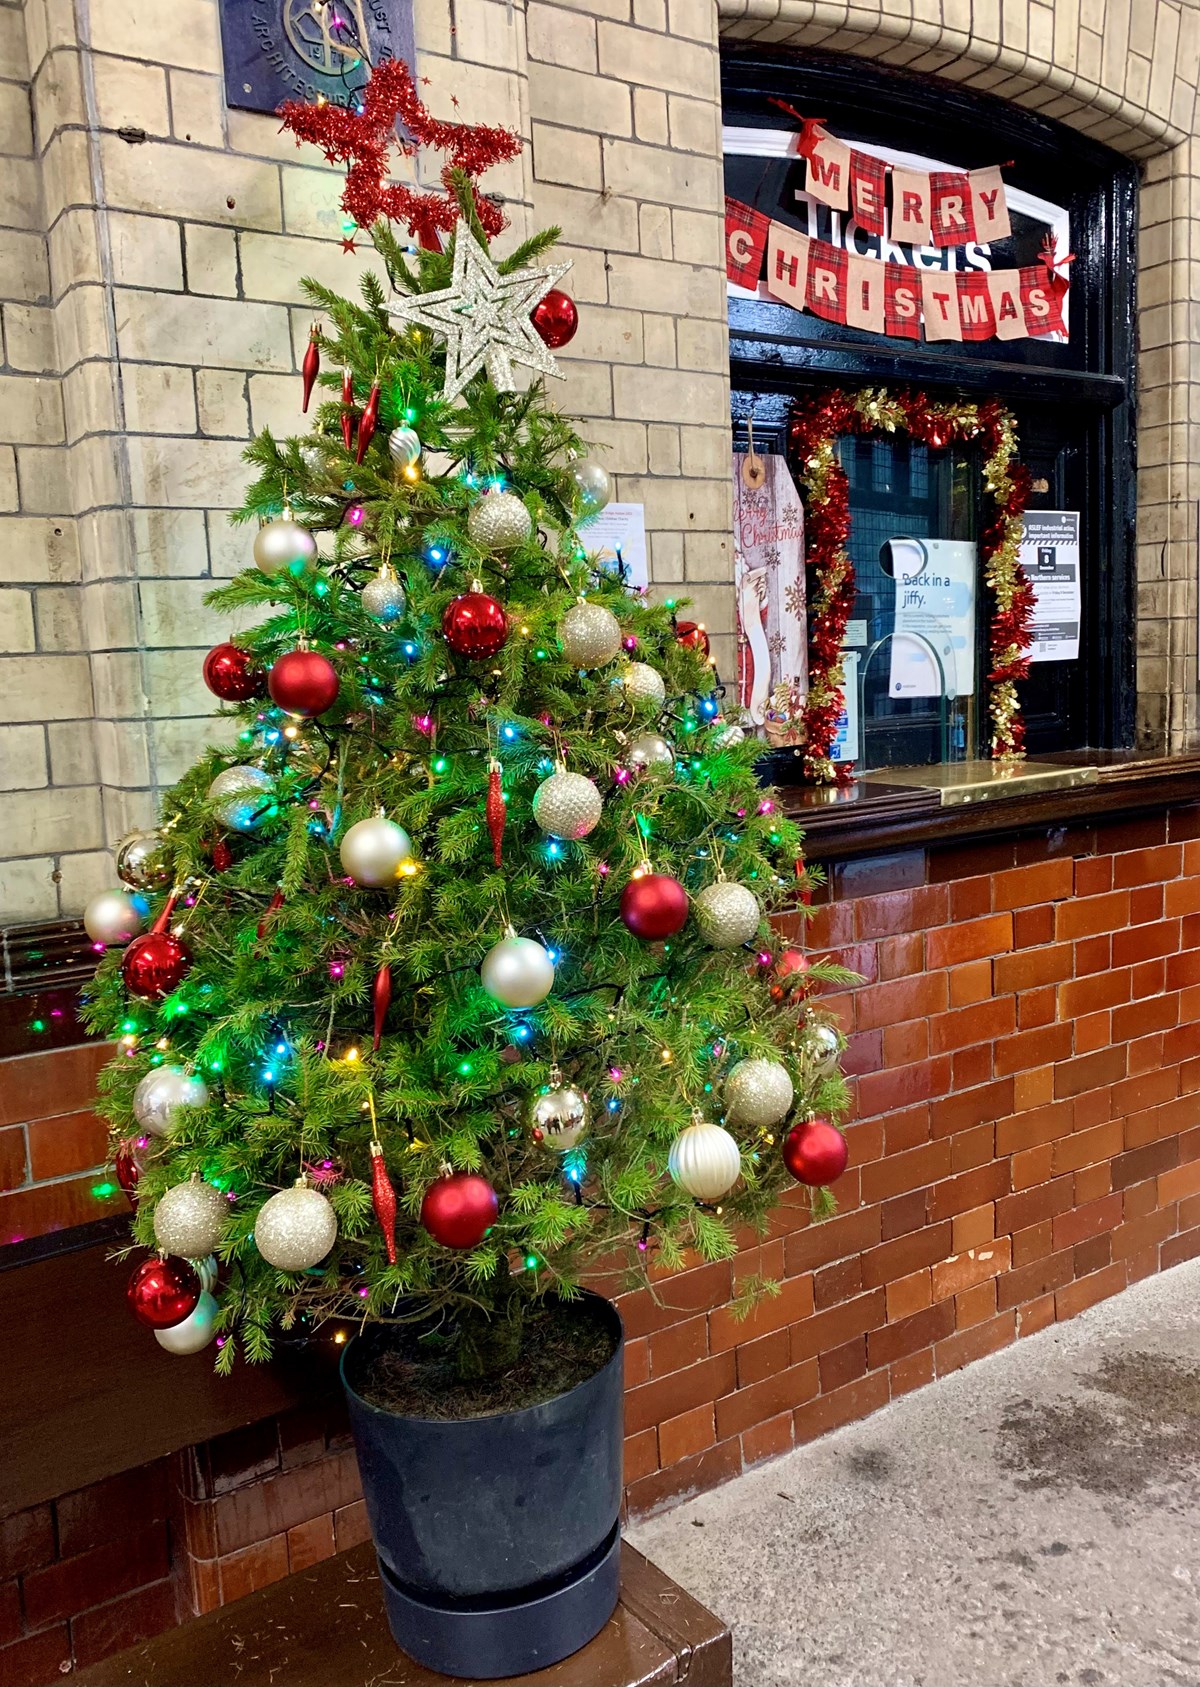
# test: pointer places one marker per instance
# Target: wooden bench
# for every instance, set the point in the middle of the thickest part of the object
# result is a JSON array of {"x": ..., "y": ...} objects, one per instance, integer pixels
[{"x": 326, "y": 1626}]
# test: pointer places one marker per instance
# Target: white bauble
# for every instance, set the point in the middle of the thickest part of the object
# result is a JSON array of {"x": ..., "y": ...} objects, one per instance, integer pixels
[
  {"x": 758, "y": 1092},
  {"x": 727, "y": 914},
  {"x": 567, "y": 805},
  {"x": 139, "y": 862},
  {"x": 296, "y": 1228},
  {"x": 161, "y": 1097},
  {"x": 559, "y": 1117},
  {"x": 404, "y": 446},
  {"x": 383, "y": 597},
  {"x": 208, "y": 1272},
  {"x": 644, "y": 684},
  {"x": 705, "y": 1161},
  {"x": 499, "y": 522},
  {"x": 517, "y": 972},
  {"x": 590, "y": 485},
  {"x": 113, "y": 917},
  {"x": 727, "y": 732},
  {"x": 196, "y": 1331},
  {"x": 590, "y": 635},
  {"x": 242, "y": 794},
  {"x": 284, "y": 547},
  {"x": 190, "y": 1219},
  {"x": 374, "y": 850},
  {"x": 651, "y": 751}
]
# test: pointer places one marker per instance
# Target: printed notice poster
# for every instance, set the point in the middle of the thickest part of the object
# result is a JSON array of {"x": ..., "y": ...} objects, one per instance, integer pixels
[
  {"x": 1050, "y": 558},
  {"x": 845, "y": 736},
  {"x": 933, "y": 642},
  {"x": 617, "y": 534}
]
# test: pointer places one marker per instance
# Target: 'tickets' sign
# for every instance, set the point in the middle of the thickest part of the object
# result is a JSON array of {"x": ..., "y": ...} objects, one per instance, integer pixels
[{"x": 881, "y": 243}]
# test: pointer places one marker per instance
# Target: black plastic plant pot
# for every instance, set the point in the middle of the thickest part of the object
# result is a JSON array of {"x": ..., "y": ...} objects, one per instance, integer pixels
[{"x": 498, "y": 1537}]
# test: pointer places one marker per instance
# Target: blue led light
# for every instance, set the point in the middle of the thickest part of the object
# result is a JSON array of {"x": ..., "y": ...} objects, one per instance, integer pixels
[
  {"x": 509, "y": 731},
  {"x": 268, "y": 1076}
]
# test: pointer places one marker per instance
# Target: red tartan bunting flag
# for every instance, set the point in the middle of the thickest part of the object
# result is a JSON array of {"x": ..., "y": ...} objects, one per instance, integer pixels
[
  {"x": 868, "y": 178},
  {"x": 951, "y": 209},
  {"x": 975, "y": 306},
  {"x": 746, "y": 234},
  {"x": 827, "y": 281},
  {"x": 902, "y": 302},
  {"x": 1043, "y": 314}
]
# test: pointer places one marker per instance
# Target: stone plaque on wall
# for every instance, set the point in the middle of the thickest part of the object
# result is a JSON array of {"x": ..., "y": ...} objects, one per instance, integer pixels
[{"x": 276, "y": 50}]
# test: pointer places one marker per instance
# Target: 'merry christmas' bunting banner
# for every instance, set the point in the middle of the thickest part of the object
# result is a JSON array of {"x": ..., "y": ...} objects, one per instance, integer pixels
[{"x": 890, "y": 298}]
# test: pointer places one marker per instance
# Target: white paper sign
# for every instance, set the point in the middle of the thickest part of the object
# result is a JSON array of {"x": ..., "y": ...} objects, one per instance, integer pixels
[
  {"x": 935, "y": 612},
  {"x": 845, "y": 735},
  {"x": 768, "y": 583},
  {"x": 618, "y": 534},
  {"x": 1050, "y": 558}
]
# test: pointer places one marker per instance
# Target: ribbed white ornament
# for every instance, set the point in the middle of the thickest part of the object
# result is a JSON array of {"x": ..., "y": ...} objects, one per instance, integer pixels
[{"x": 705, "y": 1161}]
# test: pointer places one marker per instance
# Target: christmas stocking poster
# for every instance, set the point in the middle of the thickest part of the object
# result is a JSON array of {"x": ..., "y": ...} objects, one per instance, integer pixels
[{"x": 768, "y": 529}]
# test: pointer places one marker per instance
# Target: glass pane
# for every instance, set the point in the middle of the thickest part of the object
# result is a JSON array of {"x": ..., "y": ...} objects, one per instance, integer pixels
[{"x": 916, "y": 626}]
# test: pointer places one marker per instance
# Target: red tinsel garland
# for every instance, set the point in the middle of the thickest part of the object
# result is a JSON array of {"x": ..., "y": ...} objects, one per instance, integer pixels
[
  {"x": 815, "y": 427},
  {"x": 364, "y": 140}
]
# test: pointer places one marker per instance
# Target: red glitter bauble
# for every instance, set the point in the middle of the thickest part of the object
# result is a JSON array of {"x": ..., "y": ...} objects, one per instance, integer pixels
[
  {"x": 163, "y": 1292},
  {"x": 460, "y": 1209},
  {"x": 155, "y": 964},
  {"x": 475, "y": 625},
  {"x": 230, "y": 674},
  {"x": 654, "y": 906},
  {"x": 303, "y": 682},
  {"x": 555, "y": 318},
  {"x": 692, "y": 636},
  {"x": 815, "y": 1152}
]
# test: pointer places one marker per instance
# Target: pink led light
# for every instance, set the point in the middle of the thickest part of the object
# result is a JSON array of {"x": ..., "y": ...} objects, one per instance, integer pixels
[
  {"x": 603, "y": 869},
  {"x": 363, "y": 1293},
  {"x": 313, "y": 803},
  {"x": 764, "y": 959},
  {"x": 336, "y": 969},
  {"x": 641, "y": 1247},
  {"x": 354, "y": 515},
  {"x": 622, "y": 776},
  {"x": 98, "y": 947},
  {"x": 423, "y": 723},
  {"x": 741, "y": 813},
  {"x": 766, "y": 806},
  {"x": 616, "y": 1074},
  {"x": 630, "y": 641}
]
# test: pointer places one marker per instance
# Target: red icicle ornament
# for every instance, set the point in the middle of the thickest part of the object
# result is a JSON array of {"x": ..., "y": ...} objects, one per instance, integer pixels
[
  {"x": 128, "y": 1171},
  {"x": 383, "y": 1199},
  {"x": 496, "y": 809},
  {"x": 367, "y": 423},
  {"x": 347, "y": 410},
  {"x": 311, "y": 367},
  {"x": 221, "y": 855},
  {"x": 272, "y": 907},
  {"x": 381, "y": 997}
]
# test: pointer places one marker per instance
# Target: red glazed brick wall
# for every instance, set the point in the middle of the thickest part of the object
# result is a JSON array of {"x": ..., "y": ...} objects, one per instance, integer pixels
[
  {"x": 52, "y": 1146},
  {"x": 1025, "y": 1140},
  {"x": 84, "y": 1576}
]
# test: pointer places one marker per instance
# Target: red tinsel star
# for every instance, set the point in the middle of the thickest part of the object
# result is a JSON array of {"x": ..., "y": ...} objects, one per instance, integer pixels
[
  {"x": 348, "y": 245},
  {"x": 364, "y": 139}
]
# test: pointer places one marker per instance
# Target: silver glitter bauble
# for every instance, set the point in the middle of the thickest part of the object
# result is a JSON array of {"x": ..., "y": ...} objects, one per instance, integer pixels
[
  {"x": 590, "y": 635},
  {"x": 374, "y": 850},
  {"x": 499, "y": 522},
  {"x": 296, "y": 1228},
  {"x": 162, "y": 1095},
  {"x": 284, "y": 547},
  {"x": 139, "y": 860},
  {"x": 652, "y": 752},
  {"x": 644, "y": 684},
  {"x": 196, "y": 1331},
  {"x": 705, "y": 1161},
  {"x": 558, "y": 1117},
  {"x": 727, "y": 914},
  {"x": 758, "y": 1092},
  {"x": 821, "y": 1046},
  {"x": 243, "y": 796},
  {"x": 113, "y": 917},
  {"x": 517, "y": 972},
  {"x": 567, "y": 805},
  {"x": 590, "y": 485},
  {"x": 404, "y": 446},
  {"x": 383, "y": 597},
  {"x": 190, "y": 1219}
]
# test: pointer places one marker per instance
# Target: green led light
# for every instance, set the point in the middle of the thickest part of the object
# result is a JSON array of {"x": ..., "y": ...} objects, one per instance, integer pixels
[
  {"x": 540, "y": 654},
  {"x": 38, "y": 1025},
  {"x": 465, "y": 1068},
  {"x": 102, "y": 1191},
  {"x": 410, "y": 415},
  {"x": 531, "y": 1262},
  {"x": 440, "y": 764}
]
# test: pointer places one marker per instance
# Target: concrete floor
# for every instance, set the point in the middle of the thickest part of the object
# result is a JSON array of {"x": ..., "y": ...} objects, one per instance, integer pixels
[{"x": 1034, "y": 1519}]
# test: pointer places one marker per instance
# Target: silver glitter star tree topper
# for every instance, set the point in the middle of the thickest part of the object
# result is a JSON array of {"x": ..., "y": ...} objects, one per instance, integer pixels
[{"x": 483, "y": 316}]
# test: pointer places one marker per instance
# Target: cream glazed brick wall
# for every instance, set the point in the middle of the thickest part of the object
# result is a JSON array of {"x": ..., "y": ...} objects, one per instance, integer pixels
[
  {"x": 1124, "y": 72},
  {"x": 625, "y": 98},
  {"x": 178, "y": 232},
  {"x": 47, "y": 772}
]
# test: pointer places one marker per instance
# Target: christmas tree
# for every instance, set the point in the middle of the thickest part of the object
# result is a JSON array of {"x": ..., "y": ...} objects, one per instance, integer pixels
[{"x": 456, "y": 968}]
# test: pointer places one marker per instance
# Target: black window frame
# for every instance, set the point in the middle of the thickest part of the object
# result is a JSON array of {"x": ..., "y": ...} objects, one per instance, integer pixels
[{"x": 777, "y": 354}]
